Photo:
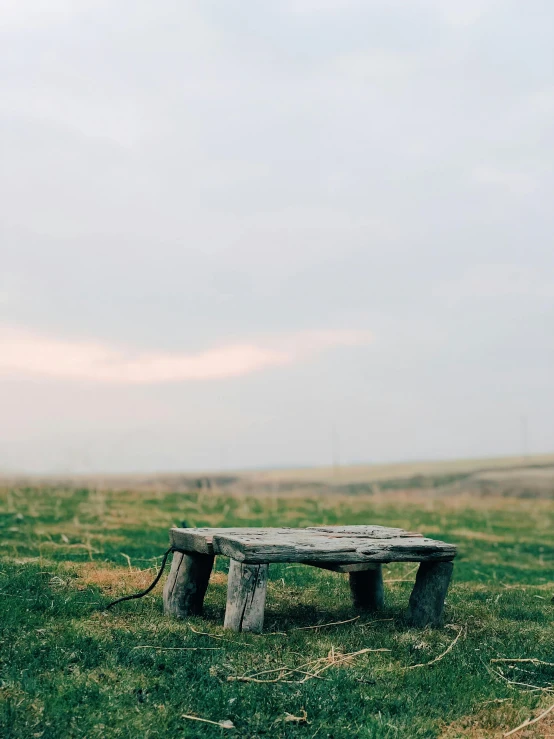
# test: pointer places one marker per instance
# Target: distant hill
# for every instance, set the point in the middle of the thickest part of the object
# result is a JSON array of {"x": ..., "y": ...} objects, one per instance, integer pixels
[{"x": 519, "y": 476}]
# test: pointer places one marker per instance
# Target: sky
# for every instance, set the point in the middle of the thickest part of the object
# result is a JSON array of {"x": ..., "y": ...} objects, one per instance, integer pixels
[{"x": 241, "y": 233}]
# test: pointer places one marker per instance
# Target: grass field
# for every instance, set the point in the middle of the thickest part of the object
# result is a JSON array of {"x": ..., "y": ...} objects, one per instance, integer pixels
[
  {"x": 433, "y": 469},
  {"x": 70, "y": 669}
]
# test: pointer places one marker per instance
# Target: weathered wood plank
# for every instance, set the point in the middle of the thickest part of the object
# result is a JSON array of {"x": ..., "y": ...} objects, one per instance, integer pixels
[
  {"x": 367, "y": 589},
  {"x": 258, "y": 549},
  {"x": 343, "y": 545},
  {"x": 246, "y": 592},
  {"x": 201, "y": 540},
  {"x": 364, "y": 532},
  {"x": 408, "y": 547},
  {"x": 427, "y": 598},
  {"x": 186, "y": 584}
]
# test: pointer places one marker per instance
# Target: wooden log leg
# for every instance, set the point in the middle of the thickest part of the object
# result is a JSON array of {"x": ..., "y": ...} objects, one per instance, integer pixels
[
  {"x": 246, "y": 591},
  {"x": 367, "y": 589},
  {"x": 427, "y": 598},
  {"x": 186, "y": 584}
]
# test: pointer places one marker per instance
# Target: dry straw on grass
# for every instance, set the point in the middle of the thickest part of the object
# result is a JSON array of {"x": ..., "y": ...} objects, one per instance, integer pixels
[
  {"x": 530, "y": 722},
  {"x": 460, "y": 630},
  {"x": 310, "y": 670},
  {"x": 222, "y": 724},
  {"x": 323, "y": 626}
]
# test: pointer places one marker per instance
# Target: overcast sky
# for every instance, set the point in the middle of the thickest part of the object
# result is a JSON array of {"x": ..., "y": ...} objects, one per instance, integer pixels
[{"x": 230, "y": 226}]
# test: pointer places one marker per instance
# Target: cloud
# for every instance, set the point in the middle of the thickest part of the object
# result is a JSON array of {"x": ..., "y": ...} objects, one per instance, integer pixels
[
  {"x": 518, "y": 183},
  {"x": 24, "y": 352},
  {"x": 462, "y": 15},
  {"x": 26, "y": 14},
  {"x": 451, "y": 12},
  {"x": 320, "y": 6},
  {"x": 498, "y": 281},
  {"x": 376, "y": 66}
]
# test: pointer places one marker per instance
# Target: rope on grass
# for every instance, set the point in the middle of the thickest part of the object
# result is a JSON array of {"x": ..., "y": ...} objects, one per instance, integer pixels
[{"x": 150, "y": 588}]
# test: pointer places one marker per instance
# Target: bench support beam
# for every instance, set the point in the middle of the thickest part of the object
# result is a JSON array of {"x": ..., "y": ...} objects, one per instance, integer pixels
[
  {"x": 367, "y": 589},
  {"x": 186, "y": 584},
  {"x": 427, "y": 598},
  {"x": 246, "y": 591}
]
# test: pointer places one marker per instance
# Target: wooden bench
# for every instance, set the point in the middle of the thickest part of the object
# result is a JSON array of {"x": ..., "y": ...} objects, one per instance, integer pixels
[{"x": 358, "y": 550}]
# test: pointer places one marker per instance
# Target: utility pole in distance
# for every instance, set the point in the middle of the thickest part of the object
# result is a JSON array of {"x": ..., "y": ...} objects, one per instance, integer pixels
[{"x": 524, "y": 438}]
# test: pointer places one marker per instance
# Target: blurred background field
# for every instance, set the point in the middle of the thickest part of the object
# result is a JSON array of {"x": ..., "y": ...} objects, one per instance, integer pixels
[{"x": 517, "y": 476}]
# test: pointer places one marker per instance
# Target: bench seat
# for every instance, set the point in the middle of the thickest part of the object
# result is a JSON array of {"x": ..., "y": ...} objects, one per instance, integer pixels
[{"x": 357, "y": 550}]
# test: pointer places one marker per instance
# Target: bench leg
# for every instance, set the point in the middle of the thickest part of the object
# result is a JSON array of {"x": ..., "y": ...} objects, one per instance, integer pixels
[
  {"x": 186, "y": 584},
  {"x": 427, "y": 598},
  {"x": 246, "y": 591},
  {"x": 367, "y": 589}
]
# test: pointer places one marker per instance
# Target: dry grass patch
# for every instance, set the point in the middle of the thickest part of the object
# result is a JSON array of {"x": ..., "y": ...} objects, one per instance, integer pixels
[
  {"x": 110, "y": 578},
  {"x": 478, "y": 535},
  {"x": 218, "y": 578},
  {"x": 115, "y": 580},
  {"x": 495, "y": 720}
]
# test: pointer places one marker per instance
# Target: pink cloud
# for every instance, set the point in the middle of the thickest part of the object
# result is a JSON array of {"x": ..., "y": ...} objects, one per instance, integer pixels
[{"x": 23, "y": 352}]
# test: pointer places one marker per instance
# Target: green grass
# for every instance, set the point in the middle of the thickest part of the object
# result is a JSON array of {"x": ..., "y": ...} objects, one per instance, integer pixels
[{"x": 69, "y": 669}]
